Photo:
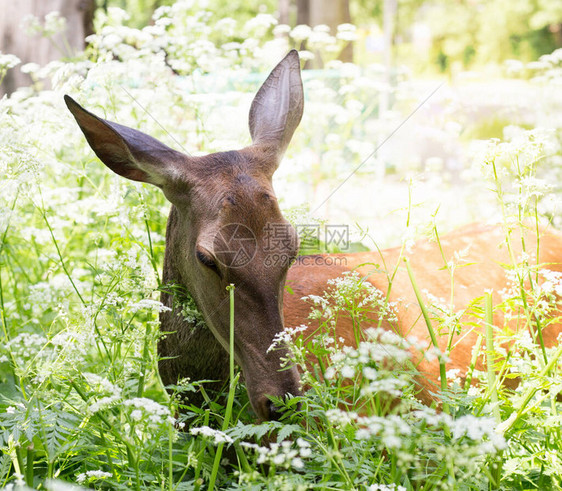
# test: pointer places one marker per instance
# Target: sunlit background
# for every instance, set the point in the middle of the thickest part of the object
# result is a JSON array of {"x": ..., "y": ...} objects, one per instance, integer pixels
[{"x": 400, "y": 95}]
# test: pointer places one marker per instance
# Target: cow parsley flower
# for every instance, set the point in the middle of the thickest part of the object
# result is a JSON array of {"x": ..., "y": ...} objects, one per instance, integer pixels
[
  {"x": 385, "y": 487},
  {"x": 105, "y": 393},
  {"x": 149, "y": 412},
  {"x": 480, "y": 430},
  {"x": 300, "y": 32},
  {"x": 380, "y": 349},
  {"x": 54, "y": 23},
  {"x": 216, "y": 436},
  {"x": 284, "y": 454},
  {"x": 286, "y": 336},
  {"x": 351, "y": 292},
  {"x": 346, "y": 32},
  {"x": 260, "y": 23},
  {"x": 148, "y": 304},
  {"x": 393, "y": 430},
  {"x": 338, "y": 417},
  {"x": 89, "y": 476},
  {"x": 8, "y": 61}
]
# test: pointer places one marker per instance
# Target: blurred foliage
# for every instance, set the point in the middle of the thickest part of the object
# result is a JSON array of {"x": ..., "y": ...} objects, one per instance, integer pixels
[
  {"x": 464, "y": 32},
  {"x": 483, "y": 31},
  {"x": 141, "y": 11}
]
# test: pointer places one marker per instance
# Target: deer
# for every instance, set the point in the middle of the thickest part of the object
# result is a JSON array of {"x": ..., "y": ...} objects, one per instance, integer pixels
[{"x": 222, "y": 208}]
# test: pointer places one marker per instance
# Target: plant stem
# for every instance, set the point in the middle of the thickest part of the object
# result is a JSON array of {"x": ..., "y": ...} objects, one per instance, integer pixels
[
  {"x": 13, "y": 364},
  {"x": 230, "y": 289},
  {"x": 225, "y": 424},
  {"x": 145, "y": 356},
  {"x": 29, "y": 465},
  {"x": 442, "y": 369},
  {"x": 489, "y": 316},
  {"x": 197, "y": 485},
  {"x": 475, "y": 353},
  {"x": 531, "y": 391},
  {"x": 63, "y": 264},
  {"x": 170, "y": 457},
  {"x": 232, "y": 390}
]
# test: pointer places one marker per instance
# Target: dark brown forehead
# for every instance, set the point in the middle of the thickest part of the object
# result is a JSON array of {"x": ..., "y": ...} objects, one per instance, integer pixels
[
  {"x": 235, "y": 188},
  {"x": 250, "y": 202},
  {"x": 249, "y": 161}
]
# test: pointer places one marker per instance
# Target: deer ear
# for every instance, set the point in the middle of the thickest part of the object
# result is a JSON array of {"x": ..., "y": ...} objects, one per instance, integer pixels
[
  {"x": 127, "y": 152},
  {"x": 277, "y": 108}
]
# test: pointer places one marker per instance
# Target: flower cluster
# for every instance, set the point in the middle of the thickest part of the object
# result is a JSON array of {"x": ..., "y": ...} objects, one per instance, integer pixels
[
  {"x": 286, "y": 337},
  {"x": 7, "y": 61},
  {"x": 148, "y": 412},
  {"x": 104, "y": 393},
  {"x": 371, "y": 361},
  {"x": 470, "y": 436},
  {"x": 90, "y": 476},
  {"x": 286, "y": 454},
  {"x": 216, "y": 436},
  {"x": 148, "y": 304},
  {"x": 352, "y": 293},
  {"x": 385, "y": 487}
]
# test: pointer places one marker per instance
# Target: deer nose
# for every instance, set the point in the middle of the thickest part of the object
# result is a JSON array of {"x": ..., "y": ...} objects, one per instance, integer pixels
[{"x": 274, "y": 412}]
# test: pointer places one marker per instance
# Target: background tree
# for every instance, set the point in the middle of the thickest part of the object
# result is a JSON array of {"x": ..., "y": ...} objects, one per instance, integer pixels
[
  {"x": 328, "y": 12},
  {"x": 47, "y": 38}
]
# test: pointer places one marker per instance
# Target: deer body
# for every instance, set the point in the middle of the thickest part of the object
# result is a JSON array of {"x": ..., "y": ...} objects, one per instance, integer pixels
[
  {"x": 483, "y": 271},
  {"x": 227, "y": 199}
]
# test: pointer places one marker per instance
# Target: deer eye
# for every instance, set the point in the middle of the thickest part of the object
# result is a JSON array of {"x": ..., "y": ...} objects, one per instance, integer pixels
[{"x": 207, "y": 261}]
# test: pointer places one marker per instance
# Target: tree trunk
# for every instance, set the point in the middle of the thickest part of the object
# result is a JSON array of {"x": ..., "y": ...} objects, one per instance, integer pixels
[
  {"x": 556, "y": 30},
  {"x": 79, "y": 16},
  {"x": 332, "y": 13},
  {"x": 303, "y": 12},
  {"x": 284, "y": 12}
]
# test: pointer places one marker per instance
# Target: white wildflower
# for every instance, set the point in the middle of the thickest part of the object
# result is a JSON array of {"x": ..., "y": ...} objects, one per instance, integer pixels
[
  {"x": 8, "y": 61},
  {"x": 282, "y": 454},
  {"x": 30, "y": 68},
  {"x": 286, "y": 336},
  {"x": 110, "y": 393},
  {"x": 216, "y": 436},
  {"x": 91, "y": 476},
  {"x": 347, "y": 371},
  {"x": 148, "y": 304},
  {"x": 281, "y": 30},
  {"x": 20, "y": 481},
  {"x": 148, "y": 411},
  {"x": 54, "y": 23},
  {"x": 341, "y": 418},
  {"x": 301, "y": 32},
  {"x": 260, "y": 23},
  {"x": 347, "y": 32},
  {"x": 385, "y": 487}
]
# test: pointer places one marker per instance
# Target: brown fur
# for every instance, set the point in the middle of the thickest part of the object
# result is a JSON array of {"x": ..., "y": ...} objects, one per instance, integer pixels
[{"x": 487, "y": 253}]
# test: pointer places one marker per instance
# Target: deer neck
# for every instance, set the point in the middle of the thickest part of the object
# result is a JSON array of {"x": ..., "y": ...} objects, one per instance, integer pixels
[{"x": 187, "y": 348}]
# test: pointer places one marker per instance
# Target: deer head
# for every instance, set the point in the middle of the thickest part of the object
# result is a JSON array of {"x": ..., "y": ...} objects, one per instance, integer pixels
[{"x": 223, "y": 211}]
